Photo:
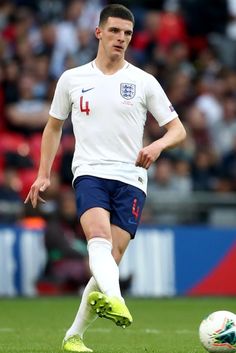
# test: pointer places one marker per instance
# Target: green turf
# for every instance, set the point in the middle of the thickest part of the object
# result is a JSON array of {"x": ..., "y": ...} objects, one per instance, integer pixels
[{"x": 160, "y": 325}]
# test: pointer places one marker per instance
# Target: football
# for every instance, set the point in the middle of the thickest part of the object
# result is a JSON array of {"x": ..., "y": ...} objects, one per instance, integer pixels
[{"x": 217, "y": 332}]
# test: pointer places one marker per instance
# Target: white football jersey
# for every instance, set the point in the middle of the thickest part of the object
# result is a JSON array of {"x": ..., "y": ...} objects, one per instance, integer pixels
[{"x": 108, "y": 114}]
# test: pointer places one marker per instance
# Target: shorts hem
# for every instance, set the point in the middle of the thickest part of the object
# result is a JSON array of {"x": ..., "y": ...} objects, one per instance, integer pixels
[
  {"x": 132, "y": 234},
  {"x": 90, "y": 207}
]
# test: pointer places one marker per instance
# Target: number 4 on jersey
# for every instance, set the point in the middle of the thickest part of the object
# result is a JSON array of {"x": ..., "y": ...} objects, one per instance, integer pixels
[{"x": 84, "y": 107}]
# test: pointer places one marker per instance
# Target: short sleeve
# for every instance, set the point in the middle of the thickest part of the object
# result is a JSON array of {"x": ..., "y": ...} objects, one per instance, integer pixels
[
  {"x": 61, "y": 104},
  {"x": 157, "y": 102}
]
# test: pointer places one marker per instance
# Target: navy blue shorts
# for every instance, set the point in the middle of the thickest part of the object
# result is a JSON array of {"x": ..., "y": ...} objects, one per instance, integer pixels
[{"x": 124, "y": 202}]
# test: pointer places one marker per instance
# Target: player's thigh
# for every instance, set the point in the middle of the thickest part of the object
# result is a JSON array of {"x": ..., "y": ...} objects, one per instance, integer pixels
[
  {"x": 93, "y": 206},
  {"x": 127, "y": 205},
  {"x": 120, "y": 241},
  {"x": 96, "y": 223}
]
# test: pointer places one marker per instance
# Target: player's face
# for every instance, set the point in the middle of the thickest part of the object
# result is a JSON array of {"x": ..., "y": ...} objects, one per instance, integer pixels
[{"x": 115, "y": 36}]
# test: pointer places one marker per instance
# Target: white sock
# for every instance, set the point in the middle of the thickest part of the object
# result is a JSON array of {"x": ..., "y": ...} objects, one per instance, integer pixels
[
  {"x": 85, "y": 315},
  {"x": 103, "y": 266}
]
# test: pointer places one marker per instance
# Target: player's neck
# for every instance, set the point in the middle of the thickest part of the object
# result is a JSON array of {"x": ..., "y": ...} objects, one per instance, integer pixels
[{"x": 109, "y": 67}]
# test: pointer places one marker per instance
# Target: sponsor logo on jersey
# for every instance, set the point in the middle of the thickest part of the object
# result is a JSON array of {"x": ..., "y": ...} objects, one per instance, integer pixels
[
  {"x": 86, "y": 90},
  {"x": 140, "y": 180},
  {"x": 127, "y": 90}
]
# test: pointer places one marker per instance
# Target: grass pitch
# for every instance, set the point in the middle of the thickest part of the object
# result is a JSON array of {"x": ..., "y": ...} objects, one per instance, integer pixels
[{"x": 160, "y": 325}]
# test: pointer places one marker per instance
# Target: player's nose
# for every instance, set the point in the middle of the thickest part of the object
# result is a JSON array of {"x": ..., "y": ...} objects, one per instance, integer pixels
[{"x": 121, "y": 36}]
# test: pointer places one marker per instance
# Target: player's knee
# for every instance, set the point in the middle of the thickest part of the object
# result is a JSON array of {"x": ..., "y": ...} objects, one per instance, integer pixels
[
  {"x": 117, "y": 254},
  {"x": 98, "y": 233}
]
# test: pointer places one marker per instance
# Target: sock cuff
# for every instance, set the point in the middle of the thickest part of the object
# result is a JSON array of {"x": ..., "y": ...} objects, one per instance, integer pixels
[{"x": 99, "y": 241}]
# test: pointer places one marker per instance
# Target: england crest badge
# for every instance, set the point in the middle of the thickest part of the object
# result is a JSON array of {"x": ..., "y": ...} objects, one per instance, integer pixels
[{"x": 127, "y": 90}]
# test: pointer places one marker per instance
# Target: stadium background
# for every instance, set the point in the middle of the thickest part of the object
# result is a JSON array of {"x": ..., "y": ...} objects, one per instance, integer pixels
[{"x": 186, "y": 244}]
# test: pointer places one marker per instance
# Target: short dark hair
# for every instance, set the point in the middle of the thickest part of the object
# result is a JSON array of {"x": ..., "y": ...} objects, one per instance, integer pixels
[{"x": 116, "y": 10}]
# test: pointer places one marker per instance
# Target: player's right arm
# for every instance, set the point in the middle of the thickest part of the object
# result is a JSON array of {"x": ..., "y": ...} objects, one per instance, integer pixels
[{"x": 49, "y": 146}]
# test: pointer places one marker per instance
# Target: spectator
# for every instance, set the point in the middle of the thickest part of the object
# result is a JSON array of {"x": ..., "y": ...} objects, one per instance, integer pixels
[
  {"x": 165, "y": 190},
  {"x": 197, "y": 123},
  {"x": 210, "y": 91},
  {"x": 179, "y": 89},
  {"x": 224, "y": 131},
  {"x": 66, "y": 42},
  {"x": 177, "y": 59},
  {"x": 229, "y": 164},
  {"x": 204, "y": 170},
  {"x": 41, "y": 86},
  {"x": 87, "y": 49},
  {"x": 10, "y": 201},
  {"x": 182, "y": 175},
  {"x": 10, "y": 82},
  {"x": 224, "y": 42},
  {"x": 28, "y": 114},
  {"x": 203, "y": 17},
  {"x": 2, "y": 100}
]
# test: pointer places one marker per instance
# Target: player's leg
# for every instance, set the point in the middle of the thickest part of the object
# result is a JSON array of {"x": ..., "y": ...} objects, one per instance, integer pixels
[
  {"x": 93, "y": 207},
  {"x": 120, "y": 236},
  {"x": 96, "y": 226},
  {"x": 120, "y": 241},
  {"x": 87, "y": 191},
  {"x": 108, "y": 302},
  {"x": 73, "y": 341},
  {"x": 86, "y": 315},
  {"x": 111, "y": 307},
  {"x": 126, "y": 204}
]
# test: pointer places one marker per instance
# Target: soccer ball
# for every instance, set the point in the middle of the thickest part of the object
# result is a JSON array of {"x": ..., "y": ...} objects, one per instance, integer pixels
[{"x": 217, "y": 332}]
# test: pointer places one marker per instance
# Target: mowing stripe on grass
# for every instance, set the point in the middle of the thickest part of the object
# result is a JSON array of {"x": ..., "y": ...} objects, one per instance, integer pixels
[{"x": 6, "y": 329}]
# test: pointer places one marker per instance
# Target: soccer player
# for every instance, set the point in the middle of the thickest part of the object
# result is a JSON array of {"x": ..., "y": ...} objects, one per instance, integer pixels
[{"x": 108, "y": 99}]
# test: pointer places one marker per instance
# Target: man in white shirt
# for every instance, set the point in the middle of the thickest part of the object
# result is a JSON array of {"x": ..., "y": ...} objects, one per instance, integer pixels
[{"x": 109, "y": 99}]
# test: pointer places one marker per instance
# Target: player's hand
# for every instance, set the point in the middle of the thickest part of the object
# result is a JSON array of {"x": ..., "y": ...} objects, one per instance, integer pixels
[
  {"x": 40, "y": 185},
  {"x": 147, "y": 156}
]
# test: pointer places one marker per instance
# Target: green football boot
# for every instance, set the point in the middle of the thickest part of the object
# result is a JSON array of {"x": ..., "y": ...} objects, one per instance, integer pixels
[
  {"x": 74, "y": 344},
  {"x": 111, "y": 308}
]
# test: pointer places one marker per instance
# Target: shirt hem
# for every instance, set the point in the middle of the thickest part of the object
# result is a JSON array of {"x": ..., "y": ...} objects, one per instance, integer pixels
[{"x": 142, "y": 187}]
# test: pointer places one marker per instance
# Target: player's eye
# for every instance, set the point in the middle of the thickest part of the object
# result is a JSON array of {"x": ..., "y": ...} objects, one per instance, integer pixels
[
  {"x": 115, "y": 30},
  {"x": 128, "y": 33}
]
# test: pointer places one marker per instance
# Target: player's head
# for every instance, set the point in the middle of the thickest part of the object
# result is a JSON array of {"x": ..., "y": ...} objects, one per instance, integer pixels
[
  {"x": 115, "y": 10},
  {"x": 114, "y": 32}
]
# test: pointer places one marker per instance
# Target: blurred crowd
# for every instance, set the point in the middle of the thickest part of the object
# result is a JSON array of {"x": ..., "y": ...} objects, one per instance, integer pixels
[{"x": 189, "y": 46}]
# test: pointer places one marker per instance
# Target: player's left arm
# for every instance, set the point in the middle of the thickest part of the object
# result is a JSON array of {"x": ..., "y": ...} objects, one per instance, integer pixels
[{"x": 175, "y": 134}]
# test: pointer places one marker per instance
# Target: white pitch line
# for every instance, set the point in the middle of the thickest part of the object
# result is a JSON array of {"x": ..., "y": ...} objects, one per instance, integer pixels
[
  {"x": 101, "y": 330},
  {"x": 6, "y": 329},
  {"x": 148, "y": 331},
  {"x": 152, "y": 330},
  {"x": 184, "y": 331}
]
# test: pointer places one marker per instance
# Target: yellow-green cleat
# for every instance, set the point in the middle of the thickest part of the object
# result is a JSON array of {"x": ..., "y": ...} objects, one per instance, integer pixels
[
  {"x": 74, "y": 344},
  {"x": 111, "y": 308}
]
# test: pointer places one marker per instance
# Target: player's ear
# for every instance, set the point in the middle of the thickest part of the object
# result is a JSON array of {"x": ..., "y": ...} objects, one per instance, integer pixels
[{"x": 98, "y": 33}]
